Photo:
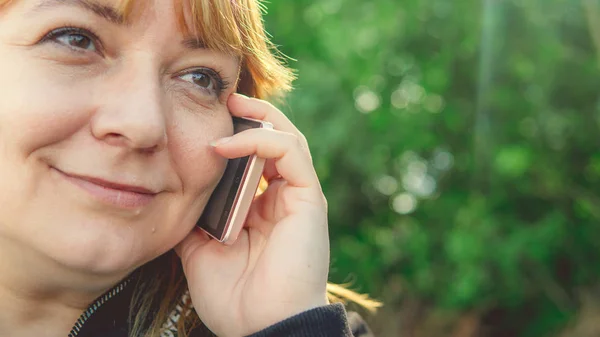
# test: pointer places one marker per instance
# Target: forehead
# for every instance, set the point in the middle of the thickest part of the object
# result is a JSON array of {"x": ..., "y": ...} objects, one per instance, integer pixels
[
  {"x": 207, "y": 23},
  {"x": 111, "y": 11},
  {"x": 215, "y": 24}
]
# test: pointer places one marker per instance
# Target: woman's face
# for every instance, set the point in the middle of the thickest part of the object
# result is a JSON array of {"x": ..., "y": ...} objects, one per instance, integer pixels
[{"x": 105, "y": 127}]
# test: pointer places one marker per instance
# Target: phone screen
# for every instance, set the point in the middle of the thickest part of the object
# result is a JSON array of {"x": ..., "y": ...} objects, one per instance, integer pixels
[{"x": 217, "y": 211}]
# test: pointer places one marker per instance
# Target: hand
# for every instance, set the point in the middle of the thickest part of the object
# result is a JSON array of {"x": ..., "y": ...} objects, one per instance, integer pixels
[{"x": 279, "y": 264}]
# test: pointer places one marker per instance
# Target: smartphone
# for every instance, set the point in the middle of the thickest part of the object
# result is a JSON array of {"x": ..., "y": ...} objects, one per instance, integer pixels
[{"x": 226, "y": 210}]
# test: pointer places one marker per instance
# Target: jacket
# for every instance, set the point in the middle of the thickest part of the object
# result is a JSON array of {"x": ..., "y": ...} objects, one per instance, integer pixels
[{"x": 108, "y": 317}]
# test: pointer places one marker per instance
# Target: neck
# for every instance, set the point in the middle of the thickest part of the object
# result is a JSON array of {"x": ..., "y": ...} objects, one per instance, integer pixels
[{"x": 41, "y": 297}]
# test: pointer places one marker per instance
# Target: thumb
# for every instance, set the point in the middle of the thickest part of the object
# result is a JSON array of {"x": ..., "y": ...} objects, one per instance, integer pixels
[{"x": 195, "y": 240}]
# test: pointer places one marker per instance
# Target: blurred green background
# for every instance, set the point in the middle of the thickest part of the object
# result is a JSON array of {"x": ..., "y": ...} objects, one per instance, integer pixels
[{"x": 458, "y": 143}]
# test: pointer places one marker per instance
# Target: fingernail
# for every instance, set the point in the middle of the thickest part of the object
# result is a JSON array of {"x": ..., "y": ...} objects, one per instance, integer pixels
[
  {"x": 218, "y": 142},
  {"x": 241, "y": 95}
]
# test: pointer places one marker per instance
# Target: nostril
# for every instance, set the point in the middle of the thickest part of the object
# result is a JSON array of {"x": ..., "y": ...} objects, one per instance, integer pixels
[
  {"x": 140, "y": 145},
  {"x": 149, "y": 150},
  {"x": 123, "y": 128},
  {"x": 115, "y": 139}
]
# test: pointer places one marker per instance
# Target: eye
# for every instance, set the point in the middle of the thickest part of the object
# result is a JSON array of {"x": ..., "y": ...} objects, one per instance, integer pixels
[
  {"x": 200, "y": 79},
  {"x": 205, "y": 79},
  {"x": 75, "y": 38}
]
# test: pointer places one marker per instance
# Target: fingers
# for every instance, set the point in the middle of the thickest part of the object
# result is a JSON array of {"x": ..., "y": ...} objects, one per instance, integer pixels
[
  {"x": 270, "y": 172},
  {"x": 284, "y": 149},
  {"x": 194, "y": 240},
  {"x": 242, "y": 106}
]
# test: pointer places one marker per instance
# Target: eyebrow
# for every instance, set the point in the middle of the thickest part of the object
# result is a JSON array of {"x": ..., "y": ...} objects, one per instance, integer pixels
[
  {"x": 193, "y": 43},
  {"x": 107, "y": 12},
  {"x": 111, "y": 14}
]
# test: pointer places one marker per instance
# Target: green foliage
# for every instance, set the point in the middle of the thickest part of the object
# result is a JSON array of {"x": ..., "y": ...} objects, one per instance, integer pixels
[{"x": 457, "y": 143}]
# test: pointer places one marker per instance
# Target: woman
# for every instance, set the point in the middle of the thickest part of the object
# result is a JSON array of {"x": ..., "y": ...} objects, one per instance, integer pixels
[{"x": 115, "y": 126}]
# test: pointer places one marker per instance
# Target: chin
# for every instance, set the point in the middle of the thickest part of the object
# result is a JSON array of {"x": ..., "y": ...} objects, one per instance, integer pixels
[
  {"x": 98, "y": 250},
  {"x": 96, "y": 245},
  {"x": 80, "y": 234}
]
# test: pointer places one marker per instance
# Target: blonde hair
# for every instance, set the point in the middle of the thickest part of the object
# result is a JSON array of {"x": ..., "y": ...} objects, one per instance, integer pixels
[{"x": 233, "y": 26}]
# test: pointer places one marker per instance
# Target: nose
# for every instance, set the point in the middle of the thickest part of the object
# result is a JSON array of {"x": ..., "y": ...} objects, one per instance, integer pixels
[{"x": 132, "y": 111}]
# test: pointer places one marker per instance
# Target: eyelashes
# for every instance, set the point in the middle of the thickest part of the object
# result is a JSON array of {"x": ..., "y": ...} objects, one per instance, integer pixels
[
  {"x": 81, "y": 41},
  {"x": 78, "y": 39},
  {"x": 206, "y": 79}
]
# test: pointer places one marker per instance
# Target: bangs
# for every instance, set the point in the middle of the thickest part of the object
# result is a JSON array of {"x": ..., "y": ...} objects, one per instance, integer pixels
[
  {"x": 234, "y": 27},
  {"x": 215, "y": 23}
]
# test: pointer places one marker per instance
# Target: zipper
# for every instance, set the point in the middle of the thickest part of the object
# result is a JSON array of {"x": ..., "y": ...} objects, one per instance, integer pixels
[{"x": 96, "y": 305}]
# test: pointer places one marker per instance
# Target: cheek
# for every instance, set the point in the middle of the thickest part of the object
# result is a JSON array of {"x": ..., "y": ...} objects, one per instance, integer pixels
[
  {"x": 37, "y": 107},
  {"x": 199, "y": 166}
]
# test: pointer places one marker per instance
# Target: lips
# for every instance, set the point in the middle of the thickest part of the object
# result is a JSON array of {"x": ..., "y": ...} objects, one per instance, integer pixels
[
  {"x": 109, "y": 192},
  {"x": 112, "y": 185}
]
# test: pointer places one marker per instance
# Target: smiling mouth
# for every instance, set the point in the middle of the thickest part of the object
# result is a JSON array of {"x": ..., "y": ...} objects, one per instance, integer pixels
[{"x": 115, "y": 194}]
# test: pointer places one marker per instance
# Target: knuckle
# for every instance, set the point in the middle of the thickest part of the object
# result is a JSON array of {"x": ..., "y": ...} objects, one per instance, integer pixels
[
  {"x": 325, "y": 202},
  {"x": 300, "y": 141},
  {"x": 263, "y": 103},
  {"x": 292, "y": 140},
  {"x": 270, "y": 105},
  {"x": 303, "y": 140}
]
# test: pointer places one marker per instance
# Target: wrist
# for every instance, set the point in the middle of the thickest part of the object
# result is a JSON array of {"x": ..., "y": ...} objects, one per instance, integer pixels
[
  {"x": 288, "y": 311},
  {"x": 329, "y": 320}
]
